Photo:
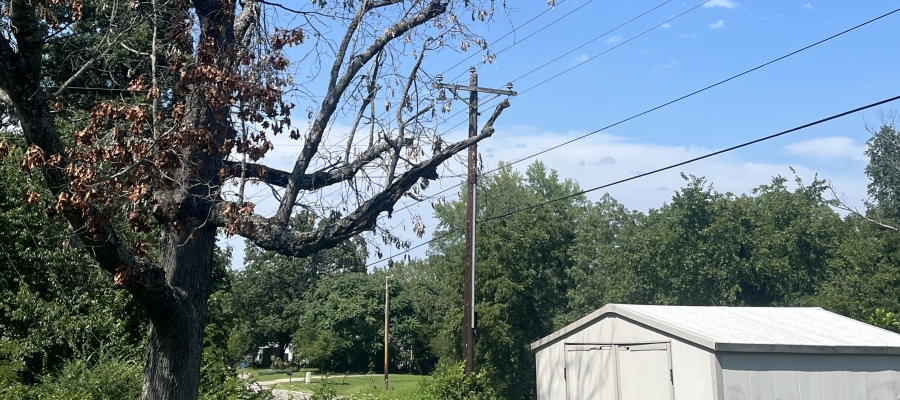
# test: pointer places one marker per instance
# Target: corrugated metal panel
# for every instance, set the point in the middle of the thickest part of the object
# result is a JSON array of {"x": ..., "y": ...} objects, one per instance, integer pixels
[
  {"x": 809, "y": 376},
  {"x": 749, "y": 329},
  {"x": 769, "y": 325}
]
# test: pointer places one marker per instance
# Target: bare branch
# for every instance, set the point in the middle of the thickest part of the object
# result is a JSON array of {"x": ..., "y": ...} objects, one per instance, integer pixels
[
  {"x": 329, "y": 104},
  {"x": 839, "y": 203},
  {"x": 244, "y": 23},
  {"x": 272, "y": 234},
  {"x": 283, "y": 7},
  {"x": 371, "y": 90},
  {"x": 80, "y": 71},
  {"x": 316, "y": 180}
]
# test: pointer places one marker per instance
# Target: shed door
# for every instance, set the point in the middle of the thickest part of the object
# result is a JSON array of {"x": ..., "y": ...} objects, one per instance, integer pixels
[
  {"x": 590, "y": 373},
  {"x": 618, "y": 372},
  {"x": 644, "y": 371}
]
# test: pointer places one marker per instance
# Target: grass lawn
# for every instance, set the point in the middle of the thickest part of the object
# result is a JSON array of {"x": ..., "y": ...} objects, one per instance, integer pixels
[
  {"x": 359, "y": 384},
  {"x": 265, "y": 374}
]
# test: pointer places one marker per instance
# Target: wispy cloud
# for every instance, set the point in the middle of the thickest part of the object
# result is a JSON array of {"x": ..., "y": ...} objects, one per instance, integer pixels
[
  {"x": 720, "y": 3},
  {"x": 717, "y": 25},
  {"x": 669, "y": 65},
  {"x": 688, "y": 36},
  {"x": 808, "y": 6},
  {"x": 665, "y": 25},
  {"x": 613, "y": 39},
  {"x": 609, "y": 157},
  {"x": 578, "y": 60},
  {"x": 828, "y": 148}
]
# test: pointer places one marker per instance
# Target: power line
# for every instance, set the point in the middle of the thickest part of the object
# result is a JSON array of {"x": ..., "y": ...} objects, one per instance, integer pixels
[
  {"x": 703, "y": 89},
  {"x": 655, "y": 171},
  {"x": 514, "y": 31},
  {"x": 705, "y": 156},
  {"x": 669, "y": 102},
  {"x": 751, "y": 70},
  {"x": 607, "y": 33},
  {"x": 551, "y": 61},
  {"x": 525, "y": 38}
]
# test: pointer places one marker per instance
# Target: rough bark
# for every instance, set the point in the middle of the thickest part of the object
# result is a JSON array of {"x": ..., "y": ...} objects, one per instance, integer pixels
[
  {"x": 188, "y": 208},
  {"x": 175, "y": 341}
]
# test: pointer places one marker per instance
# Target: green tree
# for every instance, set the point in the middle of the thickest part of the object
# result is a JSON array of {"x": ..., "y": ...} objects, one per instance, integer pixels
[
  {"x": 212, "y": 84},
  {"x": 340, "y": 323},
  {"x": 884, "y": 173},
  {"x": 272, "y": 283},
  {"x": 596, "y": 270},
  {"x": 521, "y": 272},
  {"x": 54, "y": 303},
  {"x": 708, "y": 248}
]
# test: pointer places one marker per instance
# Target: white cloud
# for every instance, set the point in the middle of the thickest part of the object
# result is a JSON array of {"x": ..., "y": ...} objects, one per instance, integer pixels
[
  {"x": 720, "y": 3},
  {"x": 808, "y": 6},
  {"x": 669, "y": 65},
  {"x": 578, "y": 60},
  {"x": 607, "y": 158},
  {"x": 688, "y": 36},
  {"x": 614, "y": 39},
  {"x": 717, "y": 25},
  {"x": 828, "y": 148},
  {"x": 603, "y": 158},
  {"x": 665, "y": 25}
]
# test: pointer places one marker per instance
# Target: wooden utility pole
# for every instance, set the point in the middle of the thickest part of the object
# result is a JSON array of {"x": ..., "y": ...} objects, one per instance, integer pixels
[
  {"x": 471, "y": 181},
  {"x": 387, "y": 295}
]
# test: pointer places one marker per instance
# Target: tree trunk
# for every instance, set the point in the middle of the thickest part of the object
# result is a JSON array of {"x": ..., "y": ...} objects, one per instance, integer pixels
[{"x": 175, "y": 342}]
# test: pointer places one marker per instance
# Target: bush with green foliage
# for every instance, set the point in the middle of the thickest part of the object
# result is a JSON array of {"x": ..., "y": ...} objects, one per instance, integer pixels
[
  {"x": 104, "y": 377},
  {"x": 450, "y": 382},
  {"x": 324, "y": 390}
]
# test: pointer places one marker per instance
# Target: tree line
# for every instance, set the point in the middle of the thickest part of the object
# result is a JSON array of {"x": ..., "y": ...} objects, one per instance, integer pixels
[
  {"x": 65, "y": 330},
  {"x": 782, "y": 244},
  {"x": 142, "y": 123}
]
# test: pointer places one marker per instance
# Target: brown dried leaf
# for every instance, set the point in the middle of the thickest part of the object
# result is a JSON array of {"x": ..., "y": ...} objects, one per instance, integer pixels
[
  {"x": 32, "y": 197},
  {"x": 34, "y": 158}
]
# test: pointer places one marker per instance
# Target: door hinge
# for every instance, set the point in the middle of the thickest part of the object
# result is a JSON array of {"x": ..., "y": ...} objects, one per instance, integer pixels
[{"x": 671, "y": 376}]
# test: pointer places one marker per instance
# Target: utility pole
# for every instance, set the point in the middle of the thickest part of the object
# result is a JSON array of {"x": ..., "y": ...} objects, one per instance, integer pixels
[
  {"x": 386, "y": 315},
  {"x": 471, "y": 181}
]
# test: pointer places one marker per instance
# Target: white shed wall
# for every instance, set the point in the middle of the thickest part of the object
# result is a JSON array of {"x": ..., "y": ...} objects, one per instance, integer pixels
[
  {"x": 693, "y": 367},
  {"x": 771, "y": 376}
]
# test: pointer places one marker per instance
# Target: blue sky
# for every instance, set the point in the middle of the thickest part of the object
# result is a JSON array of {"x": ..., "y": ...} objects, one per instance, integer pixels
[{"x": 697, "y": 49}]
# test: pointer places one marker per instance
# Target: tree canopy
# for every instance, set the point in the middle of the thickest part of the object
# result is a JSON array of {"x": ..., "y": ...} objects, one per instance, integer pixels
[{"x": 146, "y": 121}]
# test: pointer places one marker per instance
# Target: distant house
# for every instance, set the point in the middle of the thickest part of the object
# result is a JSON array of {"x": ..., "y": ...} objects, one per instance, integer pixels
[
  {"x": 289, "y": 354},
  {"x": 630, "y": 352},
  {"x": 264, "y": 354}
]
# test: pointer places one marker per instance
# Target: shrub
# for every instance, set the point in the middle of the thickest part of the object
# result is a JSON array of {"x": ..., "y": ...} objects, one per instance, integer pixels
[{"x": 451, "y": 383}]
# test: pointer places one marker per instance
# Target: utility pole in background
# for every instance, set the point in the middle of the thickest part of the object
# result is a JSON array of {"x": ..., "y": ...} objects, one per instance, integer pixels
[
  {"x": 471, "y": 181},
  {"x": 387, "y": 295}
]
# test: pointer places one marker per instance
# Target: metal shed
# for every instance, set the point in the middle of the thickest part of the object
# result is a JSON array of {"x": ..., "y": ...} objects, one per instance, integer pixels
[{"x": 629, "y": 352}]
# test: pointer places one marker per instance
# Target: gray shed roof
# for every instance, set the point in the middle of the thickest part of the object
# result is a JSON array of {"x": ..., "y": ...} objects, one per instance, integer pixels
[{"x": 750, "y": 329}]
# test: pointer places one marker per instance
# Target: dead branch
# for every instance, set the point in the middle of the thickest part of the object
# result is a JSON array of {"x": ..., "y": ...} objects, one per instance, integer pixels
[
  {"x": 329, "y": 104},
  {"x": 841, "y": 204},
  {"x": 273, "y": 234}
]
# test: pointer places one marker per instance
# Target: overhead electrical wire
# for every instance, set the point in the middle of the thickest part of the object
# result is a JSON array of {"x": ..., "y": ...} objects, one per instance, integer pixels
[
  {"x": 655, "y": 171},
  {"x": 643, "y": 33},
  {"x": 671, "y": 101},
  {"x": 641, "y": 113},
  {"x": 598, "y": 37},
  {"x": 520, "y": 27}
]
